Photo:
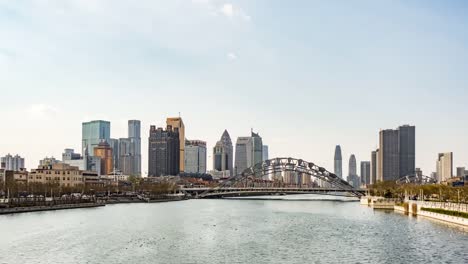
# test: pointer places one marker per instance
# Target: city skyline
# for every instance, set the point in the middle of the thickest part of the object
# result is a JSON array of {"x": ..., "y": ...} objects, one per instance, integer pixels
[
  {"x": 210, "y": 164},
  {"x": 237, "y": 61}
]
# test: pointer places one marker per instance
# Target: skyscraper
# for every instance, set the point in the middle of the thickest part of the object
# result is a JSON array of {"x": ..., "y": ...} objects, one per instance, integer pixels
[
  {"x": 265, "y": 153},
  {"x": 115, "y": 145},
  {"x": 257, "y": 148},
  {"x": 389, "y": 155},
  {"x": 130, "y": 150},
  {"x": 352, "y": 165},
  {"x": 444, "y": 166},
  {"x": 378, "y": 174},
  {"x": 164, "y": 151},
  {"x": 93, "y": 133},
  {"x": 461, "y": 172},
  {"x": 407, "y": 150},
  {"x": 338, "y": 162},
  {"x": 195, "y": 156},
  {"x": 126, "y": 158},
  {"x": 223, "y": 154},
  {"x": 373, "y": 169},
  {"x": 397, "y": 153},
  {"x": 365, "y": 172},
  {"x": 353, "y": 178},
  {"x": 13, "y": 163},
  {"x": 176, "y": 122},
  {"x": 244, "y": 153},
  {"x": 104, "y": 152}
]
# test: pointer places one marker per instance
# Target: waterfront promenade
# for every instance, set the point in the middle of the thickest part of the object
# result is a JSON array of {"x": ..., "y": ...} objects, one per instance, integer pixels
[{"x": 454, "y": 213}]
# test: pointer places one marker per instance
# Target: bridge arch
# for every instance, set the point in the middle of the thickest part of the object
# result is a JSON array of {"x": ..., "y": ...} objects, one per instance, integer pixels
[
  {"x": 278, "y": 171},
  {"x": 416, "y": 179}
]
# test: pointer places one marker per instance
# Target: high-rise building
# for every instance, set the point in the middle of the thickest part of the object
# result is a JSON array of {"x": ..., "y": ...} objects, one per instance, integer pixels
[
  {"x": 257, "y": 148},
  {"x": 134, "y": 134},
  {"x": 353, "y": 178},
  {"x": 93, "y": 133},
  {"x": 461, "y": 172},
  {"x": 176, "y": 122},
  {"x": 377, "y": 166},
  {"x": 223, "y": 154},
  {"x": 365, "y": 172},
  {"x": 104, "y": 152},
  {"x": 389, "y": 155},
  {"x": 373, "y": 169},
  {"x": 352, "y": 165},
  {"x": 115, "y": 145},
  {"x": 244, "y": 151},
  {"x": 195, "y": 156},
  {"x": 12, "y": 163},
  {"x": 397, "y": 153},
  {"x": 407, "y": 150},
  {"x": 265, "y": 152},
  {"x": 338, "y": 162},
  {"x": 164, "y": 151},
  {"x": 130, "y": 150},
  {"x": 444, "y": 166}
]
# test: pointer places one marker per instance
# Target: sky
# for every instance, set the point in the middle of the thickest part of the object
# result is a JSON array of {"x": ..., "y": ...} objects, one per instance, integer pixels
[{"x": 307, "y": 75}]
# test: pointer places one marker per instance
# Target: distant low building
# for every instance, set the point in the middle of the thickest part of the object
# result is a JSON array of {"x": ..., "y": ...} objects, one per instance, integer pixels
[
  {"x": 220, "y": 174},
  {"x": 61, "y": 173},
  {"x": 48, "y": 161},
  {"x": 461, "y": 172},
  {"x": 20, "y": 176},
  {"x": 74, "y": 159}
]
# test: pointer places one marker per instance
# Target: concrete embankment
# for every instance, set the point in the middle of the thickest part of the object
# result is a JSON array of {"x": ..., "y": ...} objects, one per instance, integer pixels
[
  {"x": 16, "y": 210},
  {"x": 416, "y": 208}
]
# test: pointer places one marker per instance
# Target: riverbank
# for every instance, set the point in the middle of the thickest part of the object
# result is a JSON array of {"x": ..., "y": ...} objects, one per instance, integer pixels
[
  {"x": 128, "y": 201},
  {"x": 421, "y": 208},
  {"x": 16, "y": 210}
]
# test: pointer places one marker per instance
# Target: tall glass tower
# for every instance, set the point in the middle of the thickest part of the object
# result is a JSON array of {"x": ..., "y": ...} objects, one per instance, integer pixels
[
  {"x": 257, "y": 148},
  {"x": 338, "y": 162},
  {"x": 93, "y": 133},
  {"x": 134, "y": 135}
]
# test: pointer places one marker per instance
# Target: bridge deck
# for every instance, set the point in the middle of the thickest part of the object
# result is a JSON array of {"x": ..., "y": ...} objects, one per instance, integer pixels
[{"x": 230, "y": 191}]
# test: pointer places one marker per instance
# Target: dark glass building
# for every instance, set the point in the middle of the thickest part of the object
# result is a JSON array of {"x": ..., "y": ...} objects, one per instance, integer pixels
[
  {"x": 407, "y": 147},
  {"x": 397, "y": 153},
  {"x": 164, "y": 151}
]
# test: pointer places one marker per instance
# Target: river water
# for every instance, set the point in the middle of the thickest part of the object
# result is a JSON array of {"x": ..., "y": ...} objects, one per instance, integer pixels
[{"x": 229, "y": 231}]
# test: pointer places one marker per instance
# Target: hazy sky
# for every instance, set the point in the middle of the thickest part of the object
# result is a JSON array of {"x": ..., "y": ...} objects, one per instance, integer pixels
[{"x": 307, "y": 75}]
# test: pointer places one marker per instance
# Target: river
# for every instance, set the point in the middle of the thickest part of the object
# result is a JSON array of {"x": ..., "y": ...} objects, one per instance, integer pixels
[{"x": 229, "y": 231}]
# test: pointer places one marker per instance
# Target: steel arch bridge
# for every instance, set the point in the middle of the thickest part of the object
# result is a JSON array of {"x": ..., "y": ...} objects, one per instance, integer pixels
[
  {"x": 278, "y": 175},
  {"x": 416, "y": 179}
]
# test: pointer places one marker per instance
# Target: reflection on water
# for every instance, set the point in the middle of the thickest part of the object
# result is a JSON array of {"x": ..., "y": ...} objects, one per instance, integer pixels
[{"x": 229, "y": 231}]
